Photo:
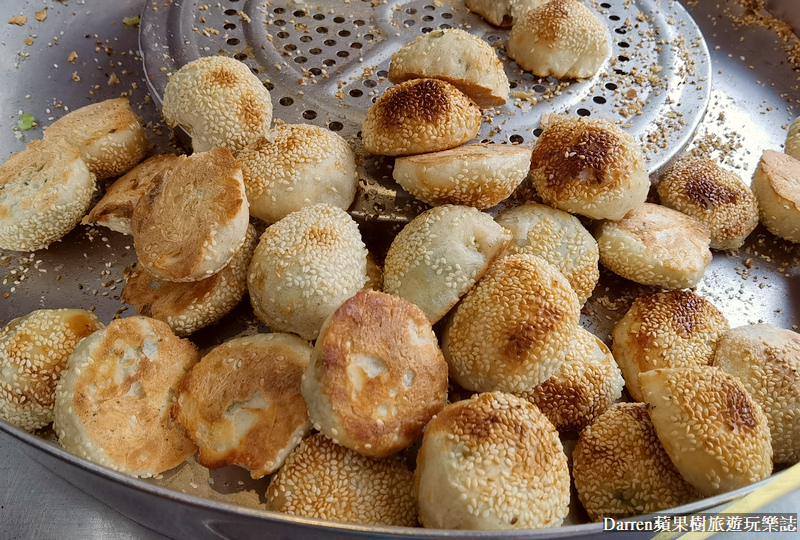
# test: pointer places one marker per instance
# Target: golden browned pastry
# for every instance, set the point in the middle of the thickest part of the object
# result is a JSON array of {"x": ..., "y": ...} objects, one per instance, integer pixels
[
  {"x": 776, "y": 185},
  {"x": 502, "y": 12}
]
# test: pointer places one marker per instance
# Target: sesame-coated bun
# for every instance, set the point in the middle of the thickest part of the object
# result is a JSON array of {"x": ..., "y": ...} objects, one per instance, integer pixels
[
  {"x": 111, "y": 137},
  {"x": 491, "y": 462},
  {"x": 479, "y": 175},
  {"x": 325, "y": 480},
  {"x": 193, "y": 218},
  {"x": 656, "y": 246},
  {"x": 512, "y": 330},
  {"x": 44, "y": 192},
  {"x": 114, "y": 398},
  {"x": 115, "y": 209},
  {"x": 589, "y": 166},
  {"x": 793, "y": 139},
  {"x": 33, "y": 351},
  {"x": 663, "y": 330},
  {"x": 420, "y": 115},
  {"x": 621, "y": 468},
  {"x": 242, "y": 405},
  {"x": 219, "y": 102},
  {"x": 713, "y": 430},
  {"x": 502, "y": 12},
  {"x": 766, "y": 359},
  {"x": 776, "y": 185},
  {"x": 435, "y": 259},
  {"x": 297, "y": 165},
  {"x": 557, "y": 237},
  {"x": 465, "y": 61},
  {"x": 583, "y": 387},
  {"x": 713, "y": 195},
  {"x": 377, "y": 375},
  {"x": 560, "y": 38},
  {"x": 304, "y": 267},
  {"x": 187, "y": 307}
]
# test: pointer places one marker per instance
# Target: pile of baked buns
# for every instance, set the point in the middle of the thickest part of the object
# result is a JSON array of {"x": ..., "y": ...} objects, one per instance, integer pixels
[{"x": 353, "y": 379}]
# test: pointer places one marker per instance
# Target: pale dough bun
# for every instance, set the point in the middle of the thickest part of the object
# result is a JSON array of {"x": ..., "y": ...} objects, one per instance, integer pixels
[
  {"x": 776, "y": 185},
  {"x": 241, "y": 404},
  {"x": 502, "y": 12},
  {"x": 656, "y": 246},
  {"x": 114, "y": 398},
  {"x": 492, "y": 462},
  {"x": 193, "y": 217},
  {"x": 34, "y": 349},
  {"x": 219, "y": 102},
  {"x": 111, "y": 137},
  {"x": 793, "y": 139},
  {"x": 44, "y": 192},
  {"x": 479, "y": 175},
  {"x": 589, "y": 166},
  {"x": 377, "y": 375}
]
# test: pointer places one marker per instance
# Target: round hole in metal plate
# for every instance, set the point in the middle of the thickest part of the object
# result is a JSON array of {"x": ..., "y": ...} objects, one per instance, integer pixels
[
  {"x": 359, "y": 22},
  {"x": 279, "y": 22},
  {"x": 427, "y": 18},
  {"x": 322, "y": 30},
  {"x": 286, "y": 101},
  {"x": 328, "y": 62},
  {"x": 605, "y": 5},
  {"x": 430, "y": 7},
  {"x": 356, "y": 45},
  {"x": 614, "y": 17},
  {"x": 620, "y": 72},
  {"x": 369, "y": 37},
  {"x": 283, "y": 35},
  {"x": 315, "y": 50},
  {"x": 319, "y": 16},
  {"x": 492, "y": 38},
  {"x": 290, "y": 47},
  {"x": 338, "y": 19},
  {"x": 611, "y": 86},
  {"x": 447, "y": 15},
  {"x": 306, "y": 39},
  {"x": 620, "y": 30},
  {"x": 344, "y": 33},
  {"x": 229, "y": 26},
  {"x": 330, "y": 42},
  {"x": 240, "y": 56},
  {"x": 230, "y": 12},
  {"x": 426, "y": 29},
  {"x": 315, "y": 71},
  {"x": 599, "y": 99},
  {"x": 516, "y": 139},
  {"x": 382, "y": 73},
  {"x": 584, "y": 112},
  {"x": 355, "y": 92},
  {"x": 512, "y": 84},
  {"x": 622, "y": 58},
  {"x": 539, "y": 88},
  {"x": 369, "y": 83},
  {"x": 537, "y": 131},
  {"x": 445, "y": 26},
  {"x": 232, "y": 41},
  {"x": 409, "y": 22},
  {"x": 624, "y": 44},
  {"x": 300, "y": 60},
  {"x": 279, "y": 10},
  {"x": 335, "y": 126},
  {"x": 299, "y": 13},
  {"x": 342, "y": 54},
  {"x": 309, "y": 115},
  {"x": 411, "y": 11},
  {"x": 269, "y": 86}
]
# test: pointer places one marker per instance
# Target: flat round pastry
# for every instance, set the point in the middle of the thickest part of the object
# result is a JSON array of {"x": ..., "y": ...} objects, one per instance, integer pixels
[
  {"x": 479, "y": 175},
  {"x": 304, "y": 267},
  {"x": 115, "y": 209},
  {"x": 34, "y": 349},
  {"x": 189, "y": 306},
  {"x": 589, "y": 166},
  {"x": 377, "y": 375},
  {"x": 622, "y": 470},
  {"x": 766, "y": 359},
  {"x": 421, "y": 115},
  {"x": 656, "y": 246},
  {"x": 713, "y": 195},
  {"x": 219, "y": 102},
  {"x": 793, "y": 139},
  {"x": 322, "y": 479},
  {"x": 193, "y": 217},
  {"x": 557, "y": 237},
  {"x": 502, "y": 12},
  {"x": 512, "y": 330},
  {"x": 44, "y": 191},
  {"x": 241, "y": 404},
  {"x": 111, "y": 137},
  {"x": 296, "y": 165},
  {"x": 492, "y": 462},
  {"x": 663, "y": 330},
  {"x": 458, "y": 57},
  {"x": 583, "y": 387},
  {"x": 560, "y": 38},
  {"x": 114, "y": 398},
  {"x": 437, "y": 257},
  {"x": 776, "y": 185},
  {"x": 714, "y": 432}
]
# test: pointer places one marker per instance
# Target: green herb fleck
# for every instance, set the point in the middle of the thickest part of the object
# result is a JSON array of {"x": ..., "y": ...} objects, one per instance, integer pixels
[
  {"x": 131, "y": 22},
  {"x": 26, "y": 121}
]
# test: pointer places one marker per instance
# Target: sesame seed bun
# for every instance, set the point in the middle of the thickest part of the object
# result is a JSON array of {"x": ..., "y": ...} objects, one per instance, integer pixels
[
  {"x": 193, "y": 217},
  {"x": 34, "y": 349},
  {"x": 479, "y": 175},
  {"x": 557, "y": 237},
  {"x": 44, "y": 191},
  {"x": 322, "y": 479},
  {"x": 560, "y": 38},
  {"x": 502, "y": 12},
  {"x": 664, "y": 330},
  {"x": 715, "y": 196},
  {"x": 241, "y": 404},
  {"x": 111, "y": 137},
  {"x": 465, "y": 61},
  {"x": 766, "y": 359},
  {"x": 511, "y": 331},
  {"x": 621, "y": 469},
  {"x": 714, "y": 432},
  {"x": 656, "y": 246},
  {"x": 793, "y": 139},
  {"x": 437, "y": 257},
  {"x": 776, "y": 185},
  {"x": 188, "y": 307},
  {"x": 377, "y": 375},
  {"x": 491, "y": 462},
  {"x": 219, "y": 102},
  {"x": 589, "y": 166},
  {"x": 421, "y": 115},
  {"x": 304, "y": 267},
  {"x": 114, "y": 398}
]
